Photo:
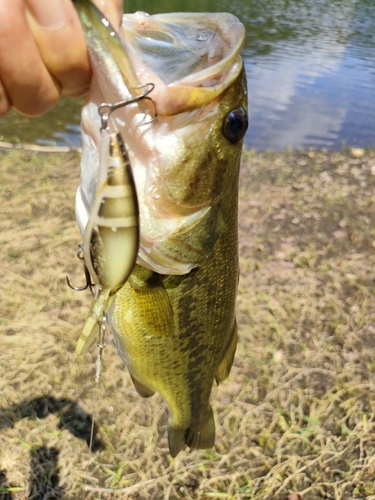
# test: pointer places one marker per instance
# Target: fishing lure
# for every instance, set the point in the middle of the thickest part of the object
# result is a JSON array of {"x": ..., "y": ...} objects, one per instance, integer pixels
[{"x": 111, "y": 237}]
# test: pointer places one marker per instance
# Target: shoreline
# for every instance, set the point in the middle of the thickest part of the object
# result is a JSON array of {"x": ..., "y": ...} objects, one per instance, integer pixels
[
  {"x": 297, "y": 411},
  {"x": 356, "y": 152}
]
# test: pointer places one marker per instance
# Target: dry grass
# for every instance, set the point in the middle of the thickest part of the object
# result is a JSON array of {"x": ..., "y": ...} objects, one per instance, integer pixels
[{"x": 297, "y": 413}]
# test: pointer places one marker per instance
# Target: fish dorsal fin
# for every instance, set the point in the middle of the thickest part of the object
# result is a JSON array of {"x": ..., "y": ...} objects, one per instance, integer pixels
[{"x": 226, "y": 362}]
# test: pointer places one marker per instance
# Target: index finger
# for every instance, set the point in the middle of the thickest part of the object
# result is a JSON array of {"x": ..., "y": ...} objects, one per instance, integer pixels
[
  {"x": 23, "y": 73},
  {"x": 61, "y": 42}
]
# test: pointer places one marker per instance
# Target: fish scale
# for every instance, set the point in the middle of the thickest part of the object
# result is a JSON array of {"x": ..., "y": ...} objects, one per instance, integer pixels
[
  {"x": 185, "y": 363},
  {"x": 174, "y": 319}
]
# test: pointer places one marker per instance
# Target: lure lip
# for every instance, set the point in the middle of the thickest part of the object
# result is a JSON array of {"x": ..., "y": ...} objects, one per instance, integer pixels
[{"x": 188, "y": 93}]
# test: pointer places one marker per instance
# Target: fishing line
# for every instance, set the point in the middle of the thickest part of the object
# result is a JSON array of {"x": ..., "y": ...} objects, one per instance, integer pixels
[{"x": 98, "y": 371}]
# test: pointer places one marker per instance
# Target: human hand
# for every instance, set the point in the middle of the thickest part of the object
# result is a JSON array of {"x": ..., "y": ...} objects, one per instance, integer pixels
[{"x": 43, "y": 53}]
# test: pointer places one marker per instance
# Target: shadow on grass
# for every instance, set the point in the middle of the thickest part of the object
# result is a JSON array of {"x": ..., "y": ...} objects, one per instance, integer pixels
[
  {"x": 4, "y": 487},
  {"x": 44, "y": 478},
  {"x": 44, "y": 475}
]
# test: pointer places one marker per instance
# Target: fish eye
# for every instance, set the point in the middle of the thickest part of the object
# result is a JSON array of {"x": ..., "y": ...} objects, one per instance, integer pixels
[{"x": 235, "y": 125}]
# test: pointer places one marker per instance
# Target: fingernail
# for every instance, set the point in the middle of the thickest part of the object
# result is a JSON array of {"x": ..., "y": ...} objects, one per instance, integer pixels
[
  {"x": 112, "y": 10},
  {"x": 51, "y": 14},
  {"x": 100, "y": 4}
]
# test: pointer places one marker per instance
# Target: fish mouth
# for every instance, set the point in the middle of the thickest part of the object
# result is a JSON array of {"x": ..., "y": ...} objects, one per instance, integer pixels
[
  {"x": 181, "y": 168},
  {"x": 190, "y": 58}
]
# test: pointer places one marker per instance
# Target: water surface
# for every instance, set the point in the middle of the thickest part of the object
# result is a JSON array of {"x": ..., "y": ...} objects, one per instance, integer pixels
[{"x": 310, "y": 66}]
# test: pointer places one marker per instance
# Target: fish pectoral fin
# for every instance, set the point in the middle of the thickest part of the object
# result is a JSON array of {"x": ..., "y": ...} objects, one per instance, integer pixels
[
  {"x": 142, "y": 389},
  {"x": 203, "y": 436},
  {"x": 153, "y": 306},
  {"x": 199, "y": 437},
  {"x": 226, "y": 362}
]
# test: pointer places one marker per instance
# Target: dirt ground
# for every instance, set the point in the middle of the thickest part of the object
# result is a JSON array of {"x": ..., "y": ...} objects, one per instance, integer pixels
[{"x": 297, "y": 412}]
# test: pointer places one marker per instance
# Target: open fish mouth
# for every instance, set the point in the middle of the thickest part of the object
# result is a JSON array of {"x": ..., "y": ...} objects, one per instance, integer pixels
[
  {"x": 208, "y": 46},
  {"x": 177, "y": 89},
  {"x": 185, "y": 63},
  {"x": 191, "y": 58}
]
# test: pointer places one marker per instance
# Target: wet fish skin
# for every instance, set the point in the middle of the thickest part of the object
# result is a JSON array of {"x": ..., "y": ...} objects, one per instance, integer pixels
[
  {"x": 176, "y": 331},
  {"x": 182, "y": 364}
]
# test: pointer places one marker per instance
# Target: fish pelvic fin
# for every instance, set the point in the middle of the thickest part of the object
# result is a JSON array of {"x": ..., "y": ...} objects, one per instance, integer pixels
[
  {"x": 226, "y": 362},
  {"x": 199, "y": 437},
  {"x": 142, "y": 389}
]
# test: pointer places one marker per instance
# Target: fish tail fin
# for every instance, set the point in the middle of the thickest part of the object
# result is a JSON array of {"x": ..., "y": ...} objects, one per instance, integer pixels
[
  {"x": 176, "y": 440},
  {"x": 226, "y": 362},
  {"x": 199, "y": 437},
  {"x": 202, "y": 436}
]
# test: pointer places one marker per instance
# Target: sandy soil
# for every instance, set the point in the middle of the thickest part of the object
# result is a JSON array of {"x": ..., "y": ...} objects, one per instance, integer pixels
[{"x": 297, "y": 413}]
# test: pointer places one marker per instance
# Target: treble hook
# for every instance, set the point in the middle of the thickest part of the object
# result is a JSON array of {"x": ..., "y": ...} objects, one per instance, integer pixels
[
  {"x": 105, "y": 109},
  {"x": 89, "y": 284}
]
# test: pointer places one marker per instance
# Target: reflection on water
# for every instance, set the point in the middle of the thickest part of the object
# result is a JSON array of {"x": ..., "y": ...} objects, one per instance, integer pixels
[
  {"x": 310, "y": 67},
  {"x": 58, "y": 127},
  {"x": 311, "y": 79}
]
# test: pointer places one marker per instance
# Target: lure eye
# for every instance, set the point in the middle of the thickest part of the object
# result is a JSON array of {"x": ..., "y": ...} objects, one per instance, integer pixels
[{"x": 235, "y": 125}]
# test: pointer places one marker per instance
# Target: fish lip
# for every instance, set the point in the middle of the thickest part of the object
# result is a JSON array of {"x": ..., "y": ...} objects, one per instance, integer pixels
[
  {"x": 200, "y": 87},
  {"x": 234, "y": 32},
  {"x": 194, "y": 90}
]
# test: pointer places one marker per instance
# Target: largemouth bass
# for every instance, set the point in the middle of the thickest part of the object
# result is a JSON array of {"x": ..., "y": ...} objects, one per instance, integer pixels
[{"x": 182, "y": 83}]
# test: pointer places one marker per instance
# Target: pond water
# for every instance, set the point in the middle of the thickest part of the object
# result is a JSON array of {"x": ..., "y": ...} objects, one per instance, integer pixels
[{"x": 311, "y": 75}]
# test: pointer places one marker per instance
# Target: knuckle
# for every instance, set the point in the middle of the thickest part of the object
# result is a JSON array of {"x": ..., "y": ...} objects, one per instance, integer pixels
[
  {"x": 5, "y": 105},
  {"x": 33, "y": 106},
  {"x": 76, "y": 81}
]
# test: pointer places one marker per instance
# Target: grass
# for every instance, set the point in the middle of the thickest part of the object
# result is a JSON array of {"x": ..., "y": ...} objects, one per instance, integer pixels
[{"x": 297, "y": 412}]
